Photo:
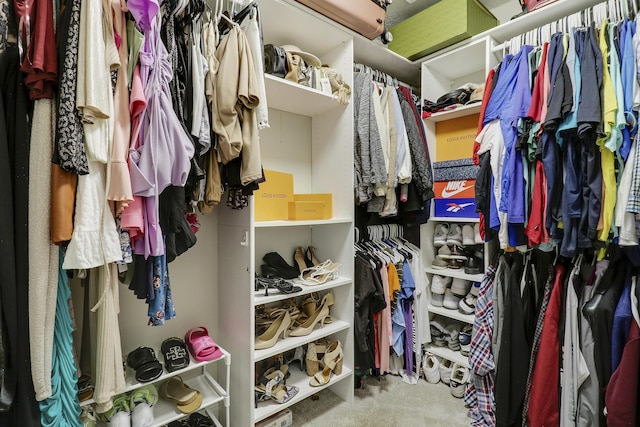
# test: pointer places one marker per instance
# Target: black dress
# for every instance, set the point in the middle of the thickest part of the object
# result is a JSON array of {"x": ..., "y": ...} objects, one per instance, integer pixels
[{"x": 18, "y": 406}]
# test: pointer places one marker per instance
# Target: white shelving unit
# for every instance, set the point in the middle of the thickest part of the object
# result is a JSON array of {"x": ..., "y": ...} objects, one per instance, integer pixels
[
  {"x": 452, "y": 314},
  {"x": 451, "y": 272},
  {"x": 447, "y": 353},
  {"x": 311, "y": 137},
  {"x": 198, "y": 377}
]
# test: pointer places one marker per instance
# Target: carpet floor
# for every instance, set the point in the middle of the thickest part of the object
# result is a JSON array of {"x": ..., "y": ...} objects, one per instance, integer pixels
[{"x": 384, "y": 402}]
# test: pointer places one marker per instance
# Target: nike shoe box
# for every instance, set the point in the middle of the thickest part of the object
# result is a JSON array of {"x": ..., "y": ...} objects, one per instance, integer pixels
[{"x": 455, "y": 199}]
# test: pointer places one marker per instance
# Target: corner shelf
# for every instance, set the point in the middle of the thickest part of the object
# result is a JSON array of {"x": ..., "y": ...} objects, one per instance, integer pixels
[
  {"x": 293, "y": 342},
  {"x": 212, "y": 392},
  {"x": 460, "y": 274},
  {"x": 451, "y": 314},
  {"x": 447, "y": 353},
  {"x": 300, "y": 380}
]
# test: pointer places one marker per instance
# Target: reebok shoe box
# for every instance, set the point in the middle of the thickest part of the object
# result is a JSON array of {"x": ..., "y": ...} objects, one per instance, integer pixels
[
  {"x": 455, "y": 199},
  {"x": 281, "y": 419}
]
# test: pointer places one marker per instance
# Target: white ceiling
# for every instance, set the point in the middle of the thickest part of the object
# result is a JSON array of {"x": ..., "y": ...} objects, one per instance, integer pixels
[{"x": 400, "y": 10}]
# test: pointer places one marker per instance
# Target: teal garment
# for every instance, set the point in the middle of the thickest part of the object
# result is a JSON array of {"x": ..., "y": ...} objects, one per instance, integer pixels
[{"x": 62, "y": 409}]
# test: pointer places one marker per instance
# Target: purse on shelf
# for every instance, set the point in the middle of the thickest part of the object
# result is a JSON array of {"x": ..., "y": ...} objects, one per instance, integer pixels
[{"x": 275, "y": 60}]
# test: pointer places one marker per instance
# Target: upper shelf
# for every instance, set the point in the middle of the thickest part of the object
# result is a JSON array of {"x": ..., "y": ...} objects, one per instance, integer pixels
[
  {"x": 294, "y": 98},
  {"x": 299, "y": 223},
  {"x": 465, "y": 110}
]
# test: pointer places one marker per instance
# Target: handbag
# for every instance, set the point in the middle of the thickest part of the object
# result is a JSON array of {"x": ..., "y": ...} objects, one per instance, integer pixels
[{"x": 275, "y": 60}]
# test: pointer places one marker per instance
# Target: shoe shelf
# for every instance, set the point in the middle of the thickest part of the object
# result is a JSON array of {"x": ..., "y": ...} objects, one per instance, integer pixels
[
  {"x": 454, "y": 219},
  {"x": 451, "y": 314},
  {"x": 275, "y": 296},
  {"x": 447, "y": 353},
  {"x": 300, "y": 380},
  {"x": 451, "y": 272},
  {"x": 298, "y": 223},
  {"x": 292, "y": 342},
  {"x": 197, "y": 377},
  {"x": 166, "y": 411}
]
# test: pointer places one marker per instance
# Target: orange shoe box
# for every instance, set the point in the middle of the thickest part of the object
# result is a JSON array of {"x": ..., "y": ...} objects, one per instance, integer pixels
[{"x": 272, "y": 199}]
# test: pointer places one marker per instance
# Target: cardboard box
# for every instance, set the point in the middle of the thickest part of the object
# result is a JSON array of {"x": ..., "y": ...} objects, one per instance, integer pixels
[
  {"x": 455, "y": 137},
  {"x": 306, "y": 210},
  {"x": 438, "y": 26},
  {"x": 464, "y": 189},
  {"x": 455, "y": 208},
  {"x": 325, "y": 198},
  {"x": 272, "y": 199},
  {"x": 281, "y": 419}
]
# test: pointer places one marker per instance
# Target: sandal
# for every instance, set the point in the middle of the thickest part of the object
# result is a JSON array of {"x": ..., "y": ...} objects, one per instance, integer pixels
[
  {"x": 141, "y": 401},
  {"x": 319, "y": 274},
  {"x": 187, "y": 399},
  {"x": 273, "y": 386},
  {"x": 175, "y": 354},
  {"x": 310, "y": 305},
  {"x": 119, "y": 414},
  {"x": 281, "y": 285},
  {"x": 199, "y": 420},
  {"x": 144, "y": 362},
  {"x": 203, "y": 348}
]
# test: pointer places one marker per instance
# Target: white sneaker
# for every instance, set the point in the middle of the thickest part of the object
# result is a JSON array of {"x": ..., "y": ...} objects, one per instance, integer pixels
[
  {"x": 437, "y": 300},
  {"x": 445, "y": 371},
  {"x": 476, "y": 234},
  {"x": 440, "y": 234},
  {"x": 450, "y": 300},
  {"x": 444, "y": 252},
  {"x": 440, "y": 283},
  {"x": 439, "y": 263},
  {"x": 460, "y": 287},
  {"x": 458, "y": 381},
  {"x": 454, "y": 237},
  {"x": 468, "y": 238},
  {"x": 431, "y": 368}
]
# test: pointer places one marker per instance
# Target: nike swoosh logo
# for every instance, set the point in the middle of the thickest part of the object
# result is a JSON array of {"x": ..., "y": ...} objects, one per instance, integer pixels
[{"x": 446, "y": 194}]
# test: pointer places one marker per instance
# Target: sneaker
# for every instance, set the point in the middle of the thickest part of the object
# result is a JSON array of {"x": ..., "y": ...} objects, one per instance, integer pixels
[
  {"x": 431, "y": 368},
  {"x": 445, "y": 371},
  {"x": 468, "y": 304},
  {"x": 450, "y": 300},
  {"x": 440, "y": 263},
  {"x": 440, "y": 283},
  {"x": 454, "y": 237},
  {"x": 476, "y": 234},
  {"x": 444, "y": 252},
  {"x": 468, "y": 238},
  {"x": 456, "y": 252},
  {"x": 437, "y": 333},
  {"x": 440, "y": 234},
  {"x": 451, "y": 333},
  {"x": 458, "y": 380},
  {"x": 460, "y": 287},
  {"x": 437, "y": 300},
  {"x": 457, "y": 258},
  {"x": 465, "y": 339},
  {"x": 475, "y": 263},
  {"x": 455, "y": 264}
]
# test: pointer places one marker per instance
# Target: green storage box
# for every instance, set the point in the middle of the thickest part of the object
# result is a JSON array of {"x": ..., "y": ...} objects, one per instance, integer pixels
[{"x": 438, "y": 26}]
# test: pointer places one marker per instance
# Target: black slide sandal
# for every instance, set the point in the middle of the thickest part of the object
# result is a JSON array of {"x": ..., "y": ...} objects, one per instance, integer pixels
[
  {"x": 176, "y": 355},
  {"x": 144, "y": 362}
]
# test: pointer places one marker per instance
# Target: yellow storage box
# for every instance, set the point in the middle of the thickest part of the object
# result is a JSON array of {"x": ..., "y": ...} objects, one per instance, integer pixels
[
  {"x": 438, "y": 26},
  {"x": 306, "y": 210},
  {"x": 272, "y": 199},
  {"x": 325, "y": 198}
]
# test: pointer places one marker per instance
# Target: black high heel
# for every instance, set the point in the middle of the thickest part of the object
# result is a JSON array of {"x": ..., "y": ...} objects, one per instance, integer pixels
[
  {"x": 275, "y": 283},
  {"x": 273, "y": 259}
]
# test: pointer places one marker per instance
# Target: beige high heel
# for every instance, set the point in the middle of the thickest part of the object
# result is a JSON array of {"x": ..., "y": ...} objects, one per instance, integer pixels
[
  {"x": 298, "y": 257},
  {"x": 319, "y": 274},
  {"x": 279, "y": 326},
  {"x": 310, "y": 305},
  {"x": 318, "y": 316},
  {"x": 315, "y": 356},
  {"x": 332, "y": 363}
]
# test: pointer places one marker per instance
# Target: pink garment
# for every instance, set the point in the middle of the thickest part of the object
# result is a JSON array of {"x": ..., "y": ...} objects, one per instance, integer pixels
[
  {"x": 385, "y": 329},
  {"x": 133, "y": 215},
  {"x": 120, "y": 183}
]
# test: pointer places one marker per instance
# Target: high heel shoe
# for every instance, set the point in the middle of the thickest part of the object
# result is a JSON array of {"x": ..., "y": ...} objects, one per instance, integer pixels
[
  {"x": 269, "y": 338},
  {"x": 275, "y": 283},
  {"x": 318, "y": 316},
  {"x": 310, "y": 304},
  {"x": 298, "y": 356},
  {"x": 319, "y": 274},
  {"x": 274, "y": 260},
  {"x": 315, "y": 355},
  {"x": 332, "y": 363},
  {"x": 299, "y": 258},
  {"x": 310, "y": 256}
]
